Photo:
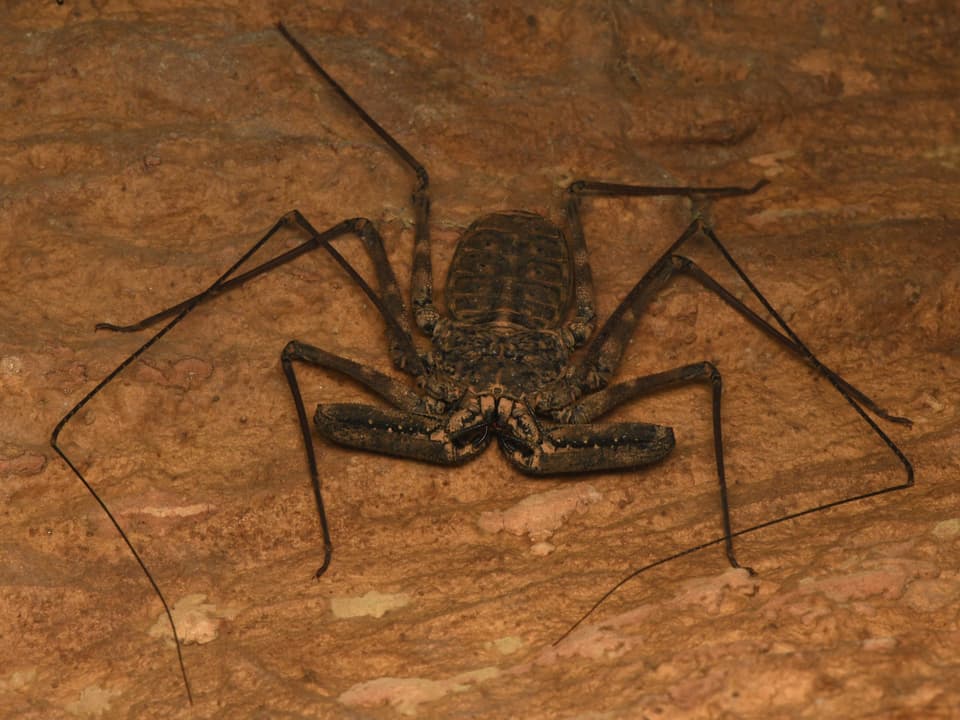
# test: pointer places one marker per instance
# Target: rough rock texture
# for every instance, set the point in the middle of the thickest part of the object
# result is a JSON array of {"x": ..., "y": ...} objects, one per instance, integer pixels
[{"x": 145, "y": 143}]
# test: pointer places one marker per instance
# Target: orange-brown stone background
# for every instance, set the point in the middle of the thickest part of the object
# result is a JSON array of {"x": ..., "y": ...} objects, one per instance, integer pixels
[{"x": 145, "y": 143}]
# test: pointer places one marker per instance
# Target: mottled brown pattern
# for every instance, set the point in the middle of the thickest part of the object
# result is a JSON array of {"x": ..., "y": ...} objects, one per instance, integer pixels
[{"x": 510, "y": 268}]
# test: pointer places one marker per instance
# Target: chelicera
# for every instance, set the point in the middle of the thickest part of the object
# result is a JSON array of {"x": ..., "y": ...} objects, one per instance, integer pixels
[{"x": 516, "y": 357}]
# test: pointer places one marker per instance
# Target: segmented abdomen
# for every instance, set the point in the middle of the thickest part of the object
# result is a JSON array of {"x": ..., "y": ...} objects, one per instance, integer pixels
[{"x": 511, "y": 267}]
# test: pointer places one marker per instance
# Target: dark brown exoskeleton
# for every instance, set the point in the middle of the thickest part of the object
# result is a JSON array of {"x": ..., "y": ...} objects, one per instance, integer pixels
[
  {"x": 500, "y": 365},
  {"x": 515, "y": 357}
]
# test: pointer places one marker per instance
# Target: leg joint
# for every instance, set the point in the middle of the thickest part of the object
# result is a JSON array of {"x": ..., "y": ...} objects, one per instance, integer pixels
[
  {"x": 713, "y": 373},
  {"x": 362, "y": 227},
  {"x": 293, "y": 216},
  {"x": 293, "y": 350},
  {"x": 701, "y": 371}
]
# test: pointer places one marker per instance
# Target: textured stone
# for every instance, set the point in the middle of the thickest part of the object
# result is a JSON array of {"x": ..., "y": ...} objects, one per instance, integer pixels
[{"x": 144, "y": 144}]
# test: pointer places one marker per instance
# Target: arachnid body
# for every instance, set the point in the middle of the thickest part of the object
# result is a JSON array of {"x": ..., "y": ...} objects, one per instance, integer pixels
[
  {"x": 517, "y": 356},
  {"x": 499, "y": 365}
]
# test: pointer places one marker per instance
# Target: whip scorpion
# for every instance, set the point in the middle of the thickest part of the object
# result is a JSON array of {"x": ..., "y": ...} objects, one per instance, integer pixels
[{"x": 516, "y": 357}]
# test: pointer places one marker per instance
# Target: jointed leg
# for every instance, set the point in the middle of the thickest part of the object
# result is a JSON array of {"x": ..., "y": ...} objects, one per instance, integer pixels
[
  {"x": 595, "y": 368},
  {"x": 178, "y": 313},
  {"x": 582, "y": 325},
  {"x": 425, "y": 313},
  {"x": 401, "y": 348},
  {"x": 390, "y": 305},
  {"x": 685, "y": 266},
  {"x": 227, "y": 282},
  {"x": 395, "y": 393},
  {"x": 603, "y": 354},
  {"x": 418, "y": 427},
  {"x": 386, "y": 387},
  {"x": 602, "y": 402},
  {"x": 598, "y": 404},
  {"x": 421, "y": 286},
  {"x": 602, "y": 357}
]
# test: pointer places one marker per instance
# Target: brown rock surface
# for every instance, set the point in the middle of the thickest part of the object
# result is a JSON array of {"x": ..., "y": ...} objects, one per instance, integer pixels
[{"x": 144, "y": 145}]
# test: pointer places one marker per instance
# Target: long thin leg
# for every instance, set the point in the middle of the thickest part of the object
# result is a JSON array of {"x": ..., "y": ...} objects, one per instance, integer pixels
[
  {"x": 602, "y": 402},
  {"x": 386, "y": 387},
  {"x": 610, "y": 397},
  {"x": 401, "y": 348},
  {"x": 225, "y": 282},
  {"x": 842, "y": 386},
  {"x": 582, "y": 324},
  {"x": 388, "y": 308},
  {"x": 605, "y": 400},
  {"x": 394, "y": 392},
  {"x": 390, "y": 305},
  {"x": 178, "y": 312},
  {"x": 687, "y": 267},
  {"x": 421, "y": 285},
  {"x": 603, "y": 355},
  {"x": 414, "y": 430},
  {"x": 594, "y": 369},
  {"x": 182, "y": 311},
  {"x": 425, "y": 313},
  {"x": 726, "y": 538},
  {"x": 584, "y": 320}
]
